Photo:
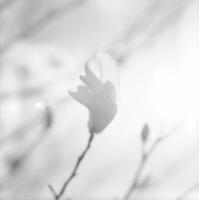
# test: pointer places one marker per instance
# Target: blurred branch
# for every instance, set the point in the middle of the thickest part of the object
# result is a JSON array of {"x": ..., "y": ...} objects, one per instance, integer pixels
[
  {"x": 42, "y": 23},
  {"x": 57, "y": 196},
  {"x": 47, "y": 118},
  {"x": 188, "y": 191},
  {"x": 145, "y": 156},
  {"x": 25, "y": 92},
  {"x": 46, "y": 121},
  {"x": 145, "y": 29},
  {"x": 6, "y": 3},
  {"x": 22, "y": 130},
  {"x": 37, "y": 89},
  {"x": 16, "y": 162}
]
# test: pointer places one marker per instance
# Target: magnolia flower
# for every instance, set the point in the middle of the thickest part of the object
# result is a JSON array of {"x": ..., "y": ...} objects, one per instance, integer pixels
[{"x": 99, "y": 98}]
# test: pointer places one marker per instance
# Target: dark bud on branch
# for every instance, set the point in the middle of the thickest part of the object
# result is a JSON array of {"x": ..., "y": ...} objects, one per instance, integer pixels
[{"x": 145, "y": 133}]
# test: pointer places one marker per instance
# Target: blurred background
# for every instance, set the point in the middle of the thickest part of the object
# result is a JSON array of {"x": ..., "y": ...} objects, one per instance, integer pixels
[{"x": 43, "y": 47}]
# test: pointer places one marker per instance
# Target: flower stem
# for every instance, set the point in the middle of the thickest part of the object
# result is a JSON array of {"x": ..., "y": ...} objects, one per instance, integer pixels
[
  {"x": 144, "y": 159},
  {"x": 188, "y": 191},
  {"x": 136, "y": 178},
  {"x": 57, "y": 196}
]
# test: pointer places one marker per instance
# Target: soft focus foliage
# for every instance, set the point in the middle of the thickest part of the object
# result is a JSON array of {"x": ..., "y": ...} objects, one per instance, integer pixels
[{"x": 152, "y": 46}]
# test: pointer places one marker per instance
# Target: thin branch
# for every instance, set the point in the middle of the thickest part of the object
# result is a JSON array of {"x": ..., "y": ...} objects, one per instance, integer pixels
[
  {"x": 52, "y": 191},
  {"x": 188, "y": 191},
  {"x": 137, "y": 176},
  {"x": 17, "y": 162},
  {"x": 164, "y": 137},
  {"x": 146, "y": 155},
  {"x": 58, "y": 195}
]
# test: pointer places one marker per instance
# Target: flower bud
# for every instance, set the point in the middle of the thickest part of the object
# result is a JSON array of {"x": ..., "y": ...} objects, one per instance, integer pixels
[{"x": 98, "y": 97}]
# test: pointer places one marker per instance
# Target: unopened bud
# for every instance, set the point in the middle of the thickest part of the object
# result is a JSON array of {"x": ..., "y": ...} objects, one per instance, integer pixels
[{"x": 145, "y": 133}]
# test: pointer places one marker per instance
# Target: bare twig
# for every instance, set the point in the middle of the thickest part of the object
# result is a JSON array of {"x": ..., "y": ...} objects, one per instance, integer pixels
[
  {"x": 146, "y": 155},
  {"x": 188, "y": 191},
  {"x": 138, "y": 172},
  {"x": 58, "y": 195}
]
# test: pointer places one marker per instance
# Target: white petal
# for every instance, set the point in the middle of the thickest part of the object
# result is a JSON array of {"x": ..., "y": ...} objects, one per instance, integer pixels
[
  {"x": 90, "y": 79},
  {"x": 108, "y": 68},
  {"x": 83, "y": 95},
  {"x": 102, "y": 108}
]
